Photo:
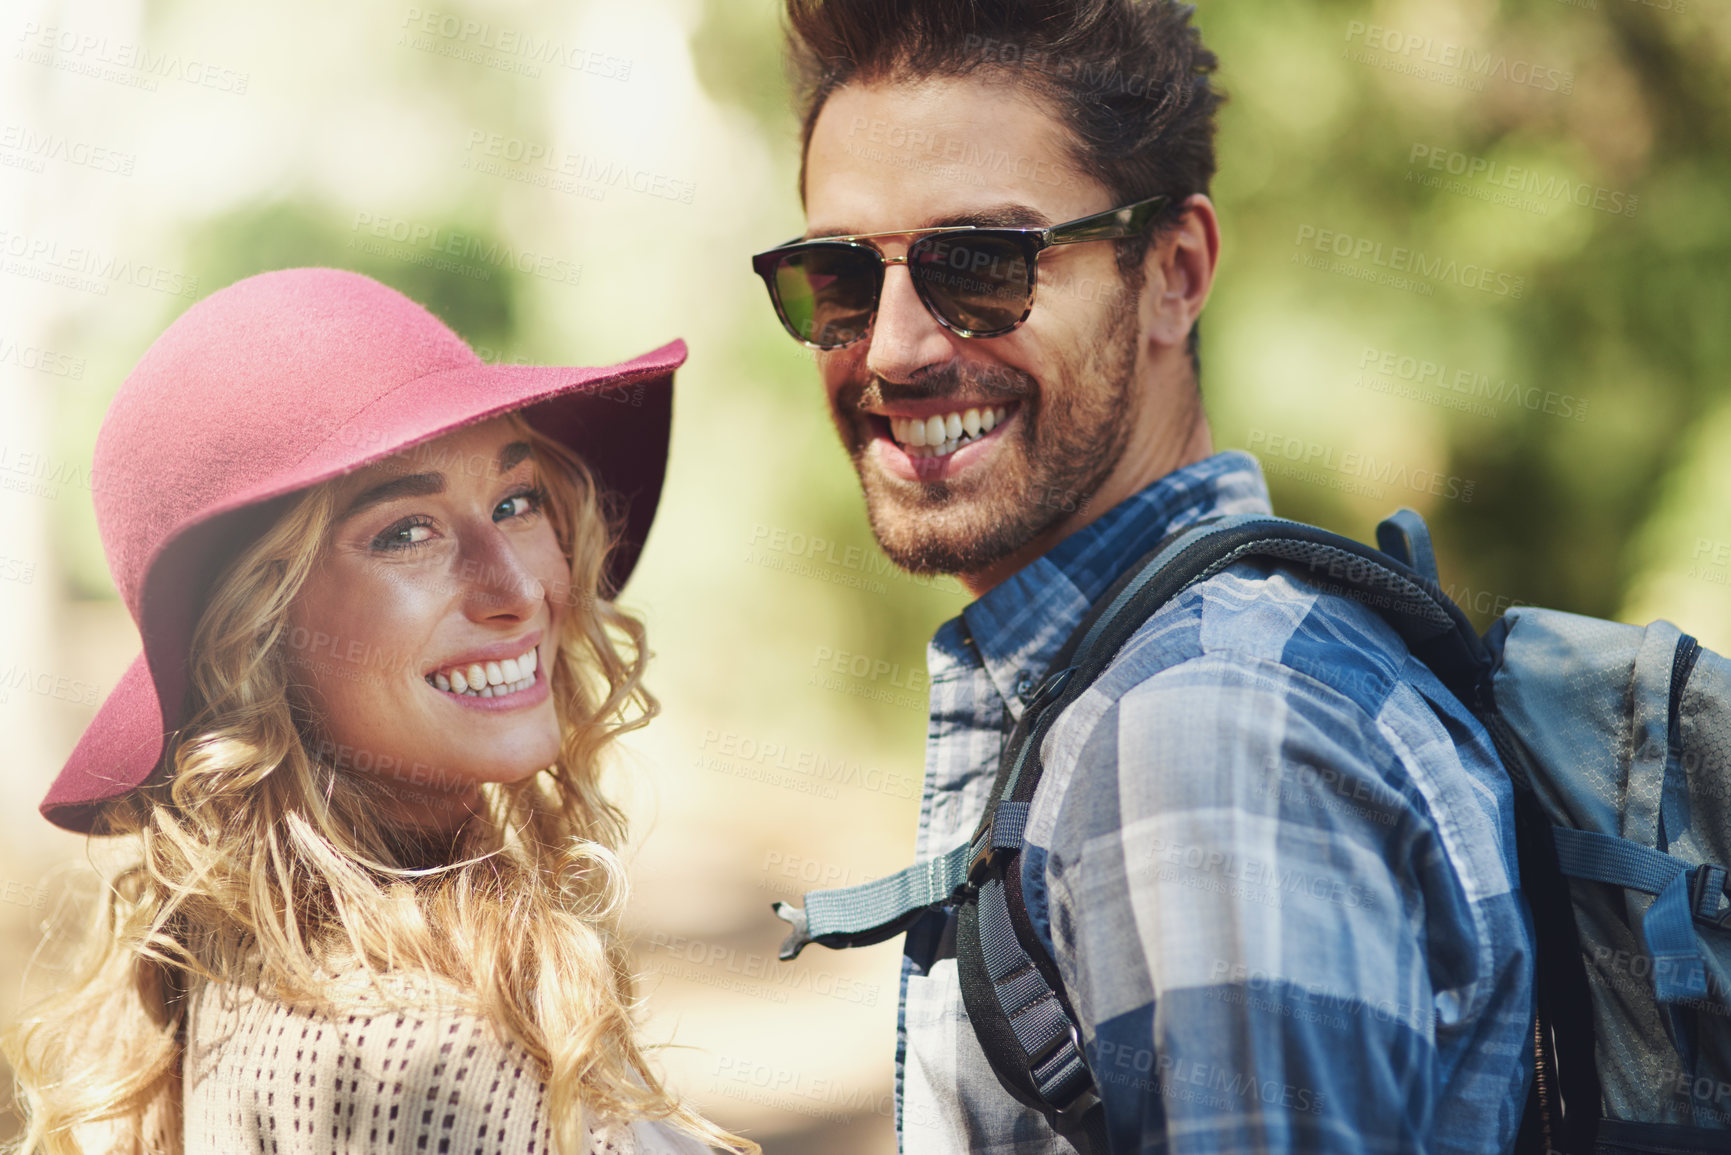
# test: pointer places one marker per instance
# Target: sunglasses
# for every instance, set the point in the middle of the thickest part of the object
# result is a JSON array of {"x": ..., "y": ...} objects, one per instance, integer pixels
[{"x": 977, "y": 282}]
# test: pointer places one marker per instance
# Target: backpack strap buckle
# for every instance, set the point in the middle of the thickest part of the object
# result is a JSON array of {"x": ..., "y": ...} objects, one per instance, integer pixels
[
  {"x": 980, "y": 856},
  {"x": 1072, "y": 1038},
  {"x": 1004, "y": 831},
  {"x": 1710, "y": 894},
  {"x": 1060, "y": 1071},
  {"x": 799, "y": 937}
]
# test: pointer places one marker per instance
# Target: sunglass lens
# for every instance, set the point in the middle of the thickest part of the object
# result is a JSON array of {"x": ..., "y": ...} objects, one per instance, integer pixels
[
  {"x": 828, "y": 293},
  {"x": 978, "y": 283}
]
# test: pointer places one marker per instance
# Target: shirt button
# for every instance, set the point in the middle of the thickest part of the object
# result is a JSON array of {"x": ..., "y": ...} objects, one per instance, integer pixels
[{"x": 1025, "y": 685}]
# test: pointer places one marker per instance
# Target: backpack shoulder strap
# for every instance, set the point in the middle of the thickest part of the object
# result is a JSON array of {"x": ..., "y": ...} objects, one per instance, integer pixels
[
  {"x": 1010, "y": 984},
  {"x": 1410, "y": 599},
  {"x": 1018, "y": 1008}
]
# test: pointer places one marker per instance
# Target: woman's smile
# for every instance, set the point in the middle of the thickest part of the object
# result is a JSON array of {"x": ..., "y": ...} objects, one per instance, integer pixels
[{"x": 488, "y": 680}]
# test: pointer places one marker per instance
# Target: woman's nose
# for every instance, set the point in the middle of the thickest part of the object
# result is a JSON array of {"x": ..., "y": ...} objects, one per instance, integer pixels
[{"x": 496, "y": 581}]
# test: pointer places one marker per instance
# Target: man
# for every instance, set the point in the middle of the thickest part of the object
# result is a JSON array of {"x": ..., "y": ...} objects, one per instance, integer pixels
[{"x": 1272, "y": 856}]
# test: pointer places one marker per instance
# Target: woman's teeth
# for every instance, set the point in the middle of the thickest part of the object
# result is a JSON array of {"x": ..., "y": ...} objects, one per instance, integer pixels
[
  {"x": 487, "y": 679},
  {"x": 940, "y": 436}
]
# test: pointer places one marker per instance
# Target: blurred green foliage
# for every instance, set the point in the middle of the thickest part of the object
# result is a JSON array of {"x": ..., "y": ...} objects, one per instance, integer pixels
[
  {"x": 737, "y": 50},
  {"x": 1625, "y": 311},
  {"x": 480, "y": 302}
]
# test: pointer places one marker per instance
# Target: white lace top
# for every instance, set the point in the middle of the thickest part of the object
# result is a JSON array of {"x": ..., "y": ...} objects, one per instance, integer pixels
[{"x": 260, "y": 1076}]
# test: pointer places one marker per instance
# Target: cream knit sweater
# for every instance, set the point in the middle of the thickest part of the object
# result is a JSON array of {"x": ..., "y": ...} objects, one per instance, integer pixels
[{"x": 260, "y": 1076}]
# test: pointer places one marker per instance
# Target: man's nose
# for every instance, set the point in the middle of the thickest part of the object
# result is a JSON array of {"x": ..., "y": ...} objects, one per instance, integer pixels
[{"x": 905, "y": 337}]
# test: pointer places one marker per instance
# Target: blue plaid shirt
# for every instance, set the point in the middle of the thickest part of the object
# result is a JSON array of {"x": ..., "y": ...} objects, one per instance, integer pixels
[{"x": 1272, "y": 855}]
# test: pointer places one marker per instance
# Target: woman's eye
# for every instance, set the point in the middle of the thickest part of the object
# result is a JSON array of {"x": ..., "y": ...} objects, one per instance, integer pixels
[
  {"x": 520, "y": 504},
  {"x": 404, "y": 535}
]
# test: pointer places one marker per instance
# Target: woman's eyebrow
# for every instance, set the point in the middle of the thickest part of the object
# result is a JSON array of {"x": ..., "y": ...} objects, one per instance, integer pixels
[
  {"x": 426, "y": 484},
  {"x": 408, "y": 485}
]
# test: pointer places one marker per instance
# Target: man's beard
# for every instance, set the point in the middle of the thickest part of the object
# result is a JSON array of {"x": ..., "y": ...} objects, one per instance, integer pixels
[{"x": 1069, "y": 435}]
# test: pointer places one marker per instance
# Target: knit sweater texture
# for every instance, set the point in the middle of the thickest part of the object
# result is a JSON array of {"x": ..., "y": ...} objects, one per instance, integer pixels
[{"x": 262, "y": 1076}]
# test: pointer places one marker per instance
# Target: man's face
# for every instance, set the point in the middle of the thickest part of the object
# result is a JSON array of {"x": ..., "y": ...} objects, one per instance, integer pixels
[{"x": 904, "y": 156}]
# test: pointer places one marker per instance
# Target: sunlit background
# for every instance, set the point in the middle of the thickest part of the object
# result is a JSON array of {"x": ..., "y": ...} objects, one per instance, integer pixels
[{"x": 1475, "y": 262}]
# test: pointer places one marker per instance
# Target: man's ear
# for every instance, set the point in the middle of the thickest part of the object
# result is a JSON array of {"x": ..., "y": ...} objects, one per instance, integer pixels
[{"x": 1178, "y": 273}]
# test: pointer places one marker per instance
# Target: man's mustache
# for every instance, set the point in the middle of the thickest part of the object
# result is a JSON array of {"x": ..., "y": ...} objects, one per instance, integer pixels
[{"x": 974, "y": 383}]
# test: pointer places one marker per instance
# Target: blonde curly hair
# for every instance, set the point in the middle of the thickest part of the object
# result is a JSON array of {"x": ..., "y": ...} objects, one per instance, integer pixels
[{"x": 253, "y": 847}]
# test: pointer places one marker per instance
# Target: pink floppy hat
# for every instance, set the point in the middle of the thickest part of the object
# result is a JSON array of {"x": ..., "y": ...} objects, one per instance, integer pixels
[{"x": 275, "y": 384}]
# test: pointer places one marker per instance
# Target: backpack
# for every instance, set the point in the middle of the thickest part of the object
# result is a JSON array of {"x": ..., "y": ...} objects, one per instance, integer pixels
[{"x": 1617, "y": 741}]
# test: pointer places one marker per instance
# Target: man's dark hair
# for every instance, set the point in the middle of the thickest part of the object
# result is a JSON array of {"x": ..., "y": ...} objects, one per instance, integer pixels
[{"x": 1130, "y": 79}]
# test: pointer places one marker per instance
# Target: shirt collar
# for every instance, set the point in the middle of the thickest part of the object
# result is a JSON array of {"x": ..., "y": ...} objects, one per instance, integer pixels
[{"x": 1019, "y": 626}]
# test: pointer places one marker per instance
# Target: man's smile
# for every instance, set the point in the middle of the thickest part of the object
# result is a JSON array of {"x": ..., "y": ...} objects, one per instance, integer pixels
[
  {"x": 942, "y": 433},
  {"x": 936, "y": 440}
]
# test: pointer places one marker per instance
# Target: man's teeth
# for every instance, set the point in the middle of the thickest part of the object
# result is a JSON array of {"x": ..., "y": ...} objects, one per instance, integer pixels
[
  {"x": 940, "y": 436},
  {"x": 487, "y": 679}
]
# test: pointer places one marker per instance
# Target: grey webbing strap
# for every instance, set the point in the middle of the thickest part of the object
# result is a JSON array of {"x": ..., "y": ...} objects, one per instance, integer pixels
[
  {"x": 876, "y": 910},
  {"x": 1685, "y": 894},
  {"x": 1606, "y": 858},
  {"x": 1009, "y": 821},
  {"x": 852, "y": 915},
  {"x": 1043, "y": 1029}
]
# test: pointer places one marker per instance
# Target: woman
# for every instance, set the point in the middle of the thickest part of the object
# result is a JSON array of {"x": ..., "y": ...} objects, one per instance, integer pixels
[{"x": 376, "y": 899}]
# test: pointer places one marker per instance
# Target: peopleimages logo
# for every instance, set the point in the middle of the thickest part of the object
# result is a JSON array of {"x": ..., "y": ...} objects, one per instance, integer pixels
[
  {"x": 1410, "y": 51},
  {"x": 40, "y": 359},
  {"x": 1098, "y": 78},
  {"x": 1297, "y": 457},
  {"x": 802, "y": 770},
  {"x": 1515, "y": 185},
  {"x": 38, "y": 147},
  {"x": 959, "y": 151},
  {"x": 488, "y": 149},
  {"x": 471, "y": 251},
  {"x": 120, "y": 61},
  {"x": 1400, "y": 261},
  {"x": 1478, "y": 392},
  {"x": 84, "y": 268},
  {"x": 40, "y": 474},
  {"x": 504, "y": 48},
  {"x": 65, "y": 687}
]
